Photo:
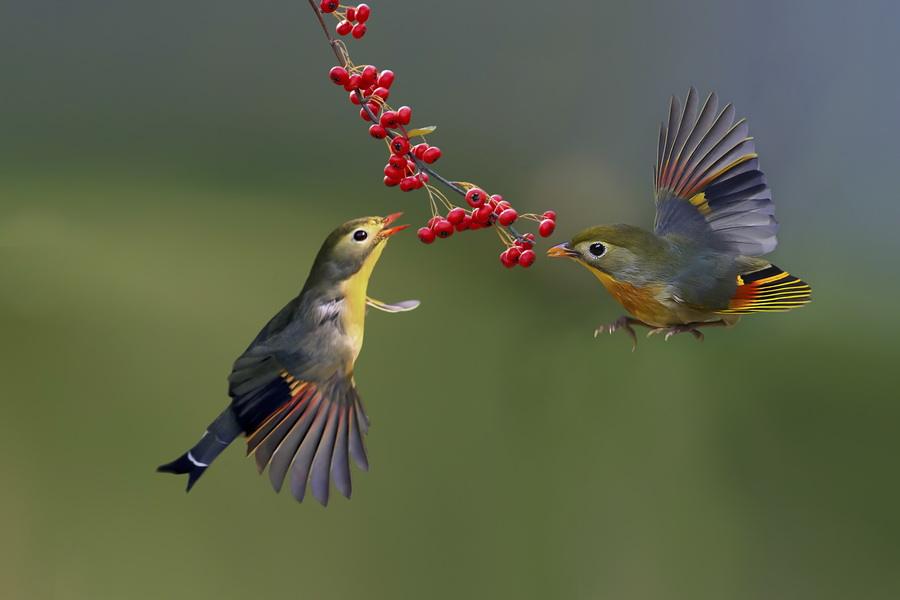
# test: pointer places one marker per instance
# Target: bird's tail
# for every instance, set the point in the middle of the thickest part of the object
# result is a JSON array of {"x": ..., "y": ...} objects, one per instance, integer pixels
[
  {"x": 768, "y": 289},
  {"x": 195, "y": 461}
]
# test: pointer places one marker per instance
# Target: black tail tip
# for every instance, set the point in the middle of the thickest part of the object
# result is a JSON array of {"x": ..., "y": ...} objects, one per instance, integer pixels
[{"x": 181, "y": 465}]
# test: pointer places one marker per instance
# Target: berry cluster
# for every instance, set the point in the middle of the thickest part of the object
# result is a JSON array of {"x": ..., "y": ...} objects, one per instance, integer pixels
[
  {"x": 409, "y": 164},
  {"x": 351, "y": 19},
  {"x": 487, "y": 211}
]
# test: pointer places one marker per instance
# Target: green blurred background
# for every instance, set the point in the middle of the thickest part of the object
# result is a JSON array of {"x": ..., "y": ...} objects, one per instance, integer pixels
[{"x": 168, "y": 170}]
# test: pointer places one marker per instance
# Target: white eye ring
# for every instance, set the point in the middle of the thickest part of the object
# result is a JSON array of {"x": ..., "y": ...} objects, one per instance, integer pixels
[{"x": 360, "y": 235}]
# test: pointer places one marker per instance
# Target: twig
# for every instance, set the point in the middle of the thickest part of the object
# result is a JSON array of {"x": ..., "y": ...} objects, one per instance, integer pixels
[{"x": 344, "y": 61}]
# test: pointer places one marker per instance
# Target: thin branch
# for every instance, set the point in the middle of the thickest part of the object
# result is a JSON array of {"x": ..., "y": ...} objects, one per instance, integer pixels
[{"x": 344, "y": 60}]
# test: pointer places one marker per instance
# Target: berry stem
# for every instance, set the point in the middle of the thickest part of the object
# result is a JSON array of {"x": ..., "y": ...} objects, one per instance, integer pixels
[{"x": 344, "y": 61}]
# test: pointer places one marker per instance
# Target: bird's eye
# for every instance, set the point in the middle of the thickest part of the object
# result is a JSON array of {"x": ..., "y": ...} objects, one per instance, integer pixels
[
  {"x": 360, "y": 234},
  {"x": 597, "y": 249}
]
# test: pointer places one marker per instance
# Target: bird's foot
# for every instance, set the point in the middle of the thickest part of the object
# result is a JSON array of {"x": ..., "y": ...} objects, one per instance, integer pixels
[
  {"x": 676, "y": 329},
  {"x": 624, "y": 323}
]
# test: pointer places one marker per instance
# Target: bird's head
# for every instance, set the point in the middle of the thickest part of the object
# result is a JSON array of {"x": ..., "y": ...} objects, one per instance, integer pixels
[
  {"x": 616, "y": 251},
  {"x": 354, "y": 245}
]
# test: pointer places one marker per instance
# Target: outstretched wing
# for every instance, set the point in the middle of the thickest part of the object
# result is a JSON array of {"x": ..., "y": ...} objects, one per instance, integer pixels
[
  {"x": 307, "y": 428},
  {"x": 707, "y": 179}
]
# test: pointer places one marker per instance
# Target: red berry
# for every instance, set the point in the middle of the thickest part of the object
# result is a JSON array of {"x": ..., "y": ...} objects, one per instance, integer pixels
[
  {"x": 508, "y": 216},
  {"x": 407, "y": 184},
  {"x": 473, "y": 224},
  {"x": 476, "y": 197},
  {"x": 419, "y": 151},
  {"x": 389, "y": 120},
  {"x": 368, "y": 76},
  {"x": 456, "y": 215},
  {"x": 381, "y": 92},
  {"x": 443, "y": 228},
  {"x": 404, "y": 114},
  {"x": 354, "y": 98},
  {"x": 399, "y": 145},
  {"x": 411, "y": 166},
  {"x": 364, "y": 115},
  {"x": 339, "y": 75},
  {"x": 390, "y": 182},
  {"x": 466, "y": 223},
  {"x": 362, "y": 13},
  {"x": 550, "y": 214},
  {"x": 513, "y": 253},
  {"x": 386, "y": 79},
  {"x": 495, "y": 200},
  {"x": 482, "y": 215},
  {"x": 329, "y": 6},
  {"x": 359, "y": 30},
  {"x": 352, "y": 83},
  {"x": 397, "y": 161},
  {"x": 351, "y": 14},
  {"x": 501, "y": 206},
  {"x": 344, "y": 27},
  {"x": 393, "y": 172},
  {"x": 433, "y": 220},
  {"x": 431, "y": 154},
  {"x": 423, "y": 177},
  {"x": 526, "y": 259},
  {"x": 546, "y": 227},
  {"x": 506, "y": 260},
  {"x": 378, "y": 132},
  {"x": 426, "y": 235}
]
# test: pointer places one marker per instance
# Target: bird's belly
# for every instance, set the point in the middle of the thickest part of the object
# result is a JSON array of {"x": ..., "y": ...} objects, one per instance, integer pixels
[{"x": 642, "y": 302}]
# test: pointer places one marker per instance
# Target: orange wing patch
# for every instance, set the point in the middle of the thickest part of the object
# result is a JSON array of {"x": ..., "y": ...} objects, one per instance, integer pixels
[{"x": 768, "y": 290}]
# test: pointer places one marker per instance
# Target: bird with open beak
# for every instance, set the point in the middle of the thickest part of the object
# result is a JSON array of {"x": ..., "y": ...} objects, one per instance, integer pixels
[
  {"x": 701, "y": 265},
  {"x": 292, "y": 390}
]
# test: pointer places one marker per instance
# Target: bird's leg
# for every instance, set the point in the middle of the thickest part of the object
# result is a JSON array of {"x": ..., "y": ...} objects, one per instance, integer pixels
[
  {"x": 692, "y": 328},
  {"x": 624, "y": 322}
]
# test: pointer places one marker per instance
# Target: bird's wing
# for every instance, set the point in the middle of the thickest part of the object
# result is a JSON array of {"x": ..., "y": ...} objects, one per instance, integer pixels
[
  {"x": 308, "y": 427},
  {"x": 707, "y": 180},
  {"x": 403, "y": 306}
]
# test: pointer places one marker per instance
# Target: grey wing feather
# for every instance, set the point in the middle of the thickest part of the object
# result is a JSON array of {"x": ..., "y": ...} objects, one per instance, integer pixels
[{"x": 708, "y": 183}]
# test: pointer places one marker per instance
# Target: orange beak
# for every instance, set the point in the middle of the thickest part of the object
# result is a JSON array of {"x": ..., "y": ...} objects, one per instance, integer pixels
[
  {"x": 562, "y": 251},
  {"x": 388, "y": 232}
]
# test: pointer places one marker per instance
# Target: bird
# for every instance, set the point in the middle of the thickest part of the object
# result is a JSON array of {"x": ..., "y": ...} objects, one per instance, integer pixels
[
  {"x": 702, "y": 264},
  {"x": 292, "y": 390}
]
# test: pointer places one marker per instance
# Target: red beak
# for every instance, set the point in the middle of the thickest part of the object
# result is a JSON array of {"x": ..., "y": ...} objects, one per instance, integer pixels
[{"x": 388, "y": 232}]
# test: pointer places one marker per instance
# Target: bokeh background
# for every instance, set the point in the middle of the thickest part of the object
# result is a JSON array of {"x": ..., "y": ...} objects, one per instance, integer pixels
[{"x": 168, "y": 170}]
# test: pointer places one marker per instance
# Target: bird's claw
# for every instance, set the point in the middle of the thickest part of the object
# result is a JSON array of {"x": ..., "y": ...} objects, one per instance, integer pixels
[
  {"x": 623, "y": 323},
  {"x": 676, "y": 329}
]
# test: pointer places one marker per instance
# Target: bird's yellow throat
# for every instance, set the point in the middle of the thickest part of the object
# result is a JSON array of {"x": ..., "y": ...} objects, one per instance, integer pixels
[{"x": 354, "y": 318}]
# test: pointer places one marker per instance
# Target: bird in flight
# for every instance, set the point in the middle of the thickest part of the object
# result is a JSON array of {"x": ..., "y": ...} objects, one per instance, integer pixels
[
  {"x": 292, "y": 390},
  {"x": 701, "y": 265}
]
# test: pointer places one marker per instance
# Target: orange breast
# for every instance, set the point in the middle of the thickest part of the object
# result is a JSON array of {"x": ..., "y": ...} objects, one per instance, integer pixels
[{"x": 641, "y": 302}]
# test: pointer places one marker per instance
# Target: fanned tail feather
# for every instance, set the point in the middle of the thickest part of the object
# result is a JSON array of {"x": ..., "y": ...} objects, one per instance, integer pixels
[{"x": 768, "y": 290}]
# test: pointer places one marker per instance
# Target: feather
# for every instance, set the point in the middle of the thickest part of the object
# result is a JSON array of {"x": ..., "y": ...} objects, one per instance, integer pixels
[
  {"x": 288, "y": 445},
  {"x": 708, "y": 183},
  {"x": 768, "y": 289},
  {"x": 306, "y": 452},
  {"x": 340, "y": 463},
  {"x": 321, "y": 464},
  {"x": 355, "y": 443}
]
